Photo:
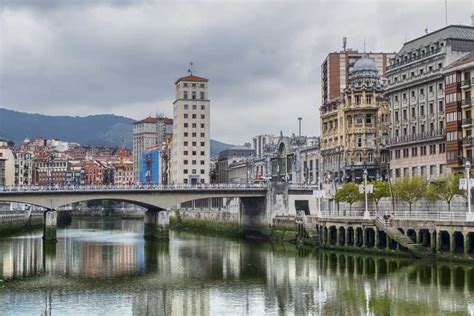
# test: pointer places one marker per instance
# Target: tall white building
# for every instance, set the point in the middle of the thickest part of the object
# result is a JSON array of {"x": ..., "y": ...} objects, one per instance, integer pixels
[
  {"x": 148, "y": 133},
  {"x": 190, "y": 147}
]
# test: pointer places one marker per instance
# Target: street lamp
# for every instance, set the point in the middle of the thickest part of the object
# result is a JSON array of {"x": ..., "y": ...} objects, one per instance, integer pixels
[
  {"x": 366, "y": 212},
  {"x": 467, "y": 165}
]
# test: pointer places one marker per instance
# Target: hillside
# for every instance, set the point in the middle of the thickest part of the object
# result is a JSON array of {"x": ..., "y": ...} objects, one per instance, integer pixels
[{"x": 97, "y": 130}]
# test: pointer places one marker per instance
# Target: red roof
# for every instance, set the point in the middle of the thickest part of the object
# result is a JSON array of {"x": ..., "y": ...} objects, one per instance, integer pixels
[
  {"x": 148, "y": 120},
  {"x": 168, "y": 121},
  {"x": 192, "y": 78}
]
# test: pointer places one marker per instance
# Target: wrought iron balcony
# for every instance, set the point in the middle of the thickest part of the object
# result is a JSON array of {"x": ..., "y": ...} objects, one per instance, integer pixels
[
  {"x": 416, "y": 137},
  {"x": 466, "y": 82},
  {"x": 467, "y": 121},
  {"x": 467, "y": 101},
  {"x": 467, "y": 140}
]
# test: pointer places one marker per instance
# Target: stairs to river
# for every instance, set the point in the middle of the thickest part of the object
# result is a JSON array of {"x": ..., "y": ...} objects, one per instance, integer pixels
[{"x": 416, "y": 249}]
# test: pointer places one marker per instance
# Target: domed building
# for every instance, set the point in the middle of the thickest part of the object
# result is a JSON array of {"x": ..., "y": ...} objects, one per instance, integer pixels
[{"x": 354, "y": 135}]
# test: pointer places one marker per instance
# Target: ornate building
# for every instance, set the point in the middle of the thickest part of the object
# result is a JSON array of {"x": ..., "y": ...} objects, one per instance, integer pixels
[{"x": 355, "y": 128}]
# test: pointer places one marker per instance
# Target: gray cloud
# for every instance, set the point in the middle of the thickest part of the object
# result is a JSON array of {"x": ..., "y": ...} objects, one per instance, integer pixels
[{"x": 262, "y": 57}]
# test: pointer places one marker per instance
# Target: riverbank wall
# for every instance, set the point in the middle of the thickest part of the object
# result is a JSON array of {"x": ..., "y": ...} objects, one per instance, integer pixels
[
  {"x": 216, "y": 222},
  {"x": 16, "y": 223}
]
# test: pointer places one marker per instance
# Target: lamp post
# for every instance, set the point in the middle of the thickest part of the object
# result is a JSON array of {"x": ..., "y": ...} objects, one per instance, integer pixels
[
  {"x": 467, "y": 165},
  {"x": 366, "y": 212}
]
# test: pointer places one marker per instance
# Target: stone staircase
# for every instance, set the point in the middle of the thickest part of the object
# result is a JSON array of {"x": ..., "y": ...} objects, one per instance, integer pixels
[
  {"x": 417, "y": 249},
  {"x": 306, "y": 233}
]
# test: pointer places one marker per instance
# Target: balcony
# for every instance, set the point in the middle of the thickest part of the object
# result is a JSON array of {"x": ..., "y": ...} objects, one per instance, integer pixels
[
  {"x": 413, "y": 59},
  {"x": 414, "y": 138},
  {"x": 465, "y": 83},
  {"x": 467, "y": 141},
  {"x": 467, "y": 121},
  {"x": 466, "y": 102}
]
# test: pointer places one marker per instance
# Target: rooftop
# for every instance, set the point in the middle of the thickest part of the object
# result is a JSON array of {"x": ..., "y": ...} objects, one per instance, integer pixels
[
  {"x": 192, "y": 77},
  {"x": 462, "y": 32},
  {"x": 469, "y": 58}
]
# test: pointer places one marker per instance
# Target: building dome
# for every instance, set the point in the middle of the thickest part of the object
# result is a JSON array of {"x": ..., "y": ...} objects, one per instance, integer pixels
[
  {"x": 365, "y": 64},
  {"x": 364, "y": 74}
]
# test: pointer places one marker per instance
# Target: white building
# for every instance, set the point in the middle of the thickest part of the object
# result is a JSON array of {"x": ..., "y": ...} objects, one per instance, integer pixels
[
  {"x": 23, "y": 168},
  {"x": 190, "y": 147}
]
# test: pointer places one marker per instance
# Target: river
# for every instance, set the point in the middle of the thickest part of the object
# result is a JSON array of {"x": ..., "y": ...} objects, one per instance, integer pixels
[{"x": 104, "y": 267}]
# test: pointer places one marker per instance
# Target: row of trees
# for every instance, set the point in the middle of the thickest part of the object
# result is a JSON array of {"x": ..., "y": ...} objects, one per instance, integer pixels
[{"x": 409, "y": 190}]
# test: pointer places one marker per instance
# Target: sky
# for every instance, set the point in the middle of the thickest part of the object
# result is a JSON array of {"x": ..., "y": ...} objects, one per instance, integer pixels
[{"x": 262, "y": 58}]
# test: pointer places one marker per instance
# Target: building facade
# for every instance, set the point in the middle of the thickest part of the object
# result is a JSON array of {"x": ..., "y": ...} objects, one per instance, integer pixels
[
  {"x": 230, "y": 156},
  {"x": 261, "y": 142},
  {"x": 337, "y": 67},
  {"x": 148, "y": 133},
  {"x": 418, "y": 101},
  {"x": 459, "y": 90},
  {"x": 190, "y": 146},
  {"x": 355, "y": 128},
  {"x": 8, "y": 169},
  {"x": 23, "y": 168}
]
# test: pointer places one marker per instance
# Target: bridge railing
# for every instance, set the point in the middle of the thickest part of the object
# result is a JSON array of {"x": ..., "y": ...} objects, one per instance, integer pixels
[
  {"x": 172, "y": 187},
  {"x": 427, "y": 215},
  {"x": 346, "y": 214}
]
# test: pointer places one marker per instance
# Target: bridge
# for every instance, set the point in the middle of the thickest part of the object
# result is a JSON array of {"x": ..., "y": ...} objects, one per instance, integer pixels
[{"x": 259, "y": 202}]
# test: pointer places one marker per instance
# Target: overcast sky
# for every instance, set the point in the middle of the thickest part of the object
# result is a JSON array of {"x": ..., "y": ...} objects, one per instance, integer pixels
[{"x": 72, "y": 57}]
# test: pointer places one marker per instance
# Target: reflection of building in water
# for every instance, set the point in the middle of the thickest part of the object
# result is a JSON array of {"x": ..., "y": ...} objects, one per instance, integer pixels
[{"x": 21, "y": 257}]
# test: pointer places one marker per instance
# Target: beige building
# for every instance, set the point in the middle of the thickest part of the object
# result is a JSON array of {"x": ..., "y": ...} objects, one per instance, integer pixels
[
  {"x": 416, "y": 91},
  {"x": 355, "y": 128},
  {"x": 190, "y": 147},
  {"x": 7, "y": 166}
]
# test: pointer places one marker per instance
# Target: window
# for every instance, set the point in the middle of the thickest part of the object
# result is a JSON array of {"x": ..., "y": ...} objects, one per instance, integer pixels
[
  {"x": 185, "y": 162},
  {"x": 368, "y": 119},
  {"x": 194, "y": 107},
  {"x": 396, "y": 116},
  {"x": 414, "y": 152},
  {"x": 203, "y": 116},
  {"x": 194, "y": 171},
  {"x": 202, "y": 172},
  {"x": 194, "y": 85},
  {"x": 397, "y": 153},
  {"x": 404, "y": 114},
  {"x": 194, "y": 162},
  {"x": 194, "y": 95},
  {"x": 413, "y": 94},
  {"x": 194, "y": 116},
  {"x": 185, "y": 84},
  {"x": 194, "y": 125},
  {"x": 405, "y": 153},
  {"x": 359, "y": 140},
  {"x": 202, "y": 95},
  {"x": 185, "y": 115},
  {"x": 202, "y": 153},
  {"x": 186, "y": 106},
  {"x": 413, "y": 113},
  {"x": 357, "y": 98},
  {"x": 194, "y": 143},
  {"x": 423, "y": 151},
  {"x": 185, "y": 134},
  {"x": 413, "y": 171},
  {"x": 185, "y": 171},
  {"x": 430, "y": 89},
  {"x": 440, "y": 105},
  {"x": 185, "y": 125},
  {"x": 201, "y": 85},
  {"x": 432, "y": 170},
  {"x": 422, "y": 92},
  {"x": 185, "y": 143},
  {"x": 369, "y": 99},
  {"x": 203, "y": 162},
  {"x": 397, "y": 172},
  {"x": 431, "y": 108},
  {"x": 203, "y": 144},
  {"x": 422, "y": 171},
  {"x": 185, "y": 152},
  {"x": 203, "y": 107},
  {"x": 202, "y": 125},
  {"x": 203, "y": 134},
  {"x": 194, "y": 134}
]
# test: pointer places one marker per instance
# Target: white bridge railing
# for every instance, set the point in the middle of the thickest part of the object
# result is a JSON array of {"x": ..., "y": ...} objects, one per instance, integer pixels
[
  {"x": 144, "y": 187},
  {"x": 198, "y": 187},
  {"x": 399, "y": 215}
]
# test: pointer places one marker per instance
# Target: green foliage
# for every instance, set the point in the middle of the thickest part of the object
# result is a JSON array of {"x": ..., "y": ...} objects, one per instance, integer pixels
[
  {"x": 11, "y": 143},
  {"x": 381, "y": 190},
  {"x": 445, "y": 189},
  {"x": 410, "y": 190},
  {"x": 349, "y": 193}
]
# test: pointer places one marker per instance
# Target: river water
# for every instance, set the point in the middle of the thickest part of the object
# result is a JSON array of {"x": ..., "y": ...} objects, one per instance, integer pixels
[{"x": 104, "y": 267}]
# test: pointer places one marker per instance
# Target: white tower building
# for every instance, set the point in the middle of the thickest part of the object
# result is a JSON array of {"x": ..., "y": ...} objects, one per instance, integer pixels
[{"x": 190, "y": 148}]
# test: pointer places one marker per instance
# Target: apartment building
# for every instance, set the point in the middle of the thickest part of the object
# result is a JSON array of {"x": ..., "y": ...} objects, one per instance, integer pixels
[
  {"x": 416, "y": 91},
  {"x": 190, "y": 146},
  {"x": 458, "y": 80}
]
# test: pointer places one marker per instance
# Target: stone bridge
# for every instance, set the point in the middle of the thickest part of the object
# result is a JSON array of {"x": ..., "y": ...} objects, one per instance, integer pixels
[{"x": 259, "y": 203}]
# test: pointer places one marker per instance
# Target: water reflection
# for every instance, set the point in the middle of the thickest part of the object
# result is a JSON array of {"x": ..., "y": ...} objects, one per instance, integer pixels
[{"x": 102, "y": 267}]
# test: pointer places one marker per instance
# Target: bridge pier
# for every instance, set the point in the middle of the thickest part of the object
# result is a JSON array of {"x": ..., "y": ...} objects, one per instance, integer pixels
[
  {"x": 50, "y": 225},
  {"x": 157, "y": 224}
]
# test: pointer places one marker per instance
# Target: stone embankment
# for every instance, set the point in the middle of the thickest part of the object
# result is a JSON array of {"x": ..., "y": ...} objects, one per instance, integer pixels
[{"x": 13, "y": 223}]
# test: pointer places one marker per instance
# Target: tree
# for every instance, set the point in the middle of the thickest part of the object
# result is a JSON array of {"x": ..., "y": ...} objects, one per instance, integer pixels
[
  {"x": 349, "y": 193},
  {"x": 381, "y": 190},
  {"x": 410, "y": 190},
  {"x": 445, "y": 189},
  {"x": 11, "y": 144}
]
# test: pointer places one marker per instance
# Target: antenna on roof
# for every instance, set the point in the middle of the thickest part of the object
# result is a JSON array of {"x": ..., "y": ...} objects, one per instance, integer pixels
[
  {"x": 191, "y": 68},
  {"x": 446, "y": 11}
]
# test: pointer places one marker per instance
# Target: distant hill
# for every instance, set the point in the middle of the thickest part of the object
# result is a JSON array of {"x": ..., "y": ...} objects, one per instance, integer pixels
[{"x": 96, "y": 130}]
